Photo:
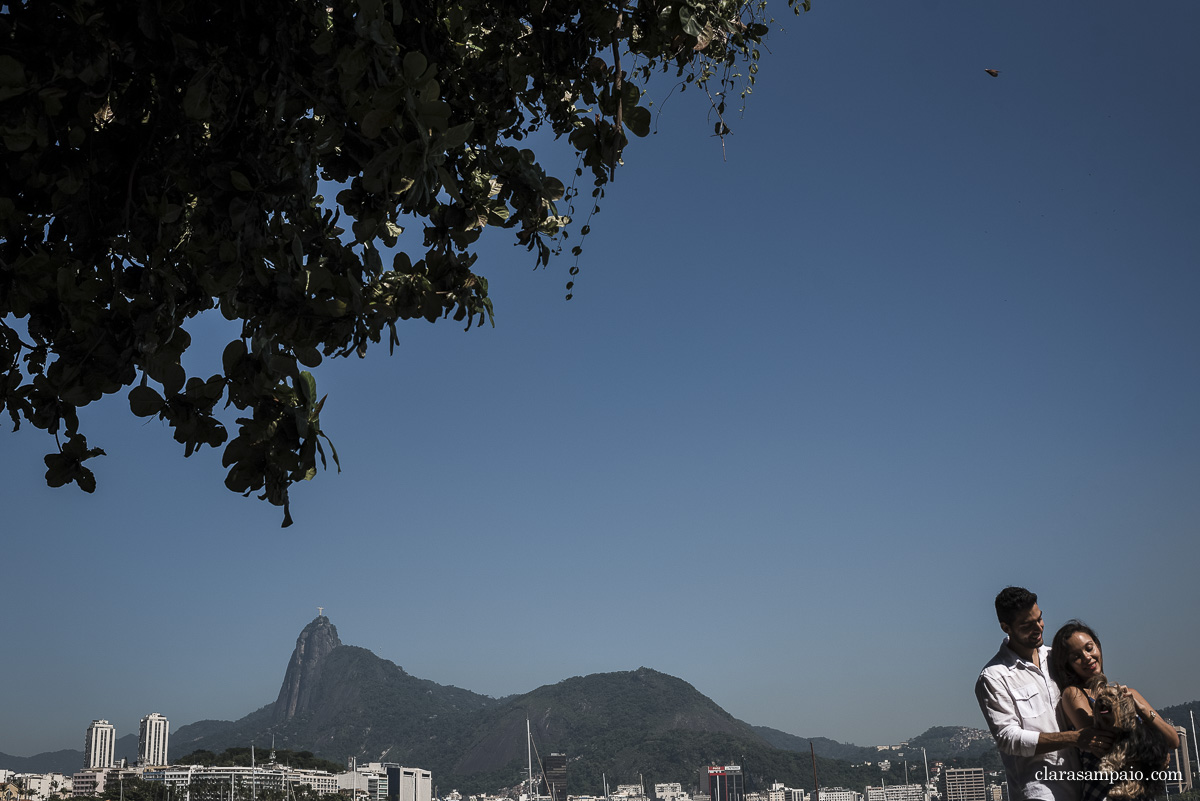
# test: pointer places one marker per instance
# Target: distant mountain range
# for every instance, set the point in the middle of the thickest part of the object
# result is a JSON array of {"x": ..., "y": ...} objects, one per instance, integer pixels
[
  {"x": 1181, "y": 714},
  {"x": 939, "y": 743},
  {"x": 67, "y": 760},
  {"x": 340, "y": 701}
]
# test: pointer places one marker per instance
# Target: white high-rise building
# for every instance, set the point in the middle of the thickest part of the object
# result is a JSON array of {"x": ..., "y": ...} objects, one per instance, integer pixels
[
  {"x": 100, "y": 745},
  {"x": 152, "y": 740}
]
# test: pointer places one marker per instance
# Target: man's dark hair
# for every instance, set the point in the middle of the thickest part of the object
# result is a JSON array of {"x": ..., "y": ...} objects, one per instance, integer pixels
[
  {"x": 1060, "y": 665},
  {"x": 1011, "y": 601}
]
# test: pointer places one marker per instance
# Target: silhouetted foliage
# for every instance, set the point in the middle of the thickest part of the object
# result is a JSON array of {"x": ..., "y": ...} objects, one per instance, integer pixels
[{"x": 164, "y": 158}]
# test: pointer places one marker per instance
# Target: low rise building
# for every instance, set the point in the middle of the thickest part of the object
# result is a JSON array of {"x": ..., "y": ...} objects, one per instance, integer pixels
[
  {"x": 838, "y": 794},
  {"x": 96, "y": 781},
  {"x": 725, "y": 782},
  {"x": 367, "y": 781},
  {"x": 89, "y": 782},
  {"x": 408, "y": 784},
  {"x": 897, "y": 792},
  {"x": 41, "y": 786},
  {"x": 670, "y": 791},
  {"x": 212, "y": 783},
  {"x": 965, "y": 784}
]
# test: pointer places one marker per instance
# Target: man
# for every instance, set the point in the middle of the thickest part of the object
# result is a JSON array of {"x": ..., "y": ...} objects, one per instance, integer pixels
[{"x": 1019, "y": 700}]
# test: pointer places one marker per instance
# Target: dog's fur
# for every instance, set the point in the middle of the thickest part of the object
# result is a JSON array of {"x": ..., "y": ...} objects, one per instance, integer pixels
[{"x": 1137, "y": 745}]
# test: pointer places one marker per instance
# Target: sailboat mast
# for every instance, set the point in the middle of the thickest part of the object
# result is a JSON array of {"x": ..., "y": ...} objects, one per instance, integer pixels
[
  {"x": 1195, "y": 742},
  {"x": 816, "y": 783},
  {"x": 529, "y": 754}
]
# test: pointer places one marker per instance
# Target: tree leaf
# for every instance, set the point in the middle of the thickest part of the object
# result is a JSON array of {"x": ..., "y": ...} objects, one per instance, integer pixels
[
  {"x": 455, "y": 137},
  {"x": 12, "y": 73},
  {"x": 196, "y": 103},
  {"x": 307, "y": 355},
  {"x": 414, "y": 66},
  {"x": 688, "y": 20},
  {"x": 638, "y": 120},
  {"x": 233, "y": 354},
  {"x": 145, "y": 401}
]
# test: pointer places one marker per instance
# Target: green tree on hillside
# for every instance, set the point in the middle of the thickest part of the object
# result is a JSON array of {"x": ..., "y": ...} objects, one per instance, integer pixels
[
  {"x": 241, "y": 756},
  {"x": 163, "y": 158},
  {"x": 134, "y": 789}
]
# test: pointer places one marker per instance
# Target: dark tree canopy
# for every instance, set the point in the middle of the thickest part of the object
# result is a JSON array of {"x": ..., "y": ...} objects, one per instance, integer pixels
[{"x": 162, "y": 158}]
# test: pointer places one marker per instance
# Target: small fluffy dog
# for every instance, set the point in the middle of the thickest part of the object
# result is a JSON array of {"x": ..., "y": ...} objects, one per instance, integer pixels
[{"x": 1137, "y": 746}]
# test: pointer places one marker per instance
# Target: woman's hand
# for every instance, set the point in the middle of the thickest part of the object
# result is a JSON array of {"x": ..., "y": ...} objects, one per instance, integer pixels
[
  {"x": 1144, "y": 710},
  {"x": 1151, "y": 718}
]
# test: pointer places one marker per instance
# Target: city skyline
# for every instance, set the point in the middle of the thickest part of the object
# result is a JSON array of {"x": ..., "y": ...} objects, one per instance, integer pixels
[
  {"x": 154, "y": 729},
  {"x": 392, "y": 782},
  {"x": 910, "y": 334}
]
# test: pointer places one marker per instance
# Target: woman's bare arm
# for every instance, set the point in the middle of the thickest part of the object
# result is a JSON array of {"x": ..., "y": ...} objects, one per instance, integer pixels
[
  {"x": 1148, "y": 714},
  {"x": 1077, "y": 707}
]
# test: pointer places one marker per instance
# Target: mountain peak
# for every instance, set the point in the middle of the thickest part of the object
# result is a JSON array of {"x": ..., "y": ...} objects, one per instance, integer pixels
[{"x": 312, "y": 646}]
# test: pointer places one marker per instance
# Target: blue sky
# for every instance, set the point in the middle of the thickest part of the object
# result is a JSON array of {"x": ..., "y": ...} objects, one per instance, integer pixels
[{"x": 922, "y": 333}]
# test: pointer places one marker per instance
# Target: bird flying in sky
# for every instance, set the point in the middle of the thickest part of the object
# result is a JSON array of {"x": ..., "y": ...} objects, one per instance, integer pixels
[{"x": 993, "y": 73}]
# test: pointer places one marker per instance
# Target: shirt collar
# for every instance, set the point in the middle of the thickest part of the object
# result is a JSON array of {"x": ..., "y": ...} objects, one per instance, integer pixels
[{"x": 1013, "y": 659}]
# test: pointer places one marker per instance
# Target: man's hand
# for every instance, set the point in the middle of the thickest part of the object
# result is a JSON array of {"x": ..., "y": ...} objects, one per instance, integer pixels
[{"x": 1094, "y": 740}]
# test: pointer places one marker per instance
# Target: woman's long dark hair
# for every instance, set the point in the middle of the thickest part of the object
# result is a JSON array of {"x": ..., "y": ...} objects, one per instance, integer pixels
[{"x": 1060, "y": 664}]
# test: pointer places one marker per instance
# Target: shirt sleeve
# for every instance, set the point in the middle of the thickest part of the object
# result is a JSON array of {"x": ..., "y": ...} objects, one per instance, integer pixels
[{"x": 998, "y": 708}]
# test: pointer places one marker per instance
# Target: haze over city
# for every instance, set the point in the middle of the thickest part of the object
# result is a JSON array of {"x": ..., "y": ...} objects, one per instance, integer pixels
[{"x": 912, "y": 333}]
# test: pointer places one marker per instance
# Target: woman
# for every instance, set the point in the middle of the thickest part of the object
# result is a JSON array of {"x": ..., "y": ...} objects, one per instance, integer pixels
[{"x": 1075, "y": 657}]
